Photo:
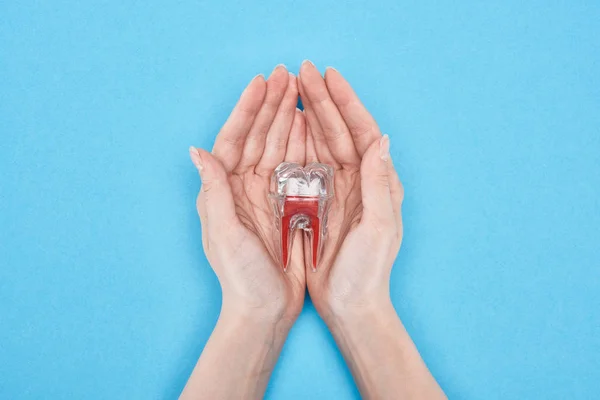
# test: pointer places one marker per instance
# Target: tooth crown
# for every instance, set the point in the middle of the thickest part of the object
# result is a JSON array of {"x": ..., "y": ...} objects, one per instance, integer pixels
[
  {"x": 301, "y": 197},
  {"x": 292, "y": 179}
]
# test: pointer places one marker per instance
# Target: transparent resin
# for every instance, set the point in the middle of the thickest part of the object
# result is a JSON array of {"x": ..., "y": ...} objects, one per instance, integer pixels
[{"x": 301, "y": 197}]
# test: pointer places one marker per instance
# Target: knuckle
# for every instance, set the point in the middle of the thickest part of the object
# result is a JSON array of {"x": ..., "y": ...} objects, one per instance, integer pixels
[
  {"x": 277, "y": 143},
  {"x": 382, "y": 233},
  {"x": 381, "y": 179},
  {"x": 334, "y": 133},
  {"x": 287, "y": 111},
  {"x": 319, "y": 97},
  {"x": 319, "y": 139},
  {"x": 250, "y": 110},
  {"x": 210, "y": 185},
  {"x": 232, "y": 141},
  {"x": 261, "y": 134},
  {"x": 274, "y": 96},
  {"x": 256, "y": 137},
  {"x": 362, "y": 129}
]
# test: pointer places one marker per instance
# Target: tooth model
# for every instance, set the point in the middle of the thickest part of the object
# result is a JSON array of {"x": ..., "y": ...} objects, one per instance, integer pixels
[{"x": 301, "y": 198}]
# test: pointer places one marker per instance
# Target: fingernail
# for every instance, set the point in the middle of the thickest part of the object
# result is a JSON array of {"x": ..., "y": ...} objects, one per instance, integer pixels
[
  {"x": 384, "y": 148},
  {"x": 196, "y": 160},
  {"x": 292, "y": 74},
  {"x": 252, "y": 81},
  {"x": 331, "y": 68},
  {"x": 308, "y": 62},
  {"x": 276, "y": 67}
]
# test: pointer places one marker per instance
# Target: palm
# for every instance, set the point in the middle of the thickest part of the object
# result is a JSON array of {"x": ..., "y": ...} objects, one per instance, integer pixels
[
  {"x": 252, "y": 206},
  {"x": 344, "y": 217},
  {"x": 259, "y": 237},
  {"x": 263, "y": 130},
  {"x": 344, "y": 135},
  {"x": 345, "y": 212}
]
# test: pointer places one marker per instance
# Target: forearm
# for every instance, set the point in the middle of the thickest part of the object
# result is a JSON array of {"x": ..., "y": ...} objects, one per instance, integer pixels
[
  {"x": 238, "y": 359},
  {"x": 381, "y": 355}
]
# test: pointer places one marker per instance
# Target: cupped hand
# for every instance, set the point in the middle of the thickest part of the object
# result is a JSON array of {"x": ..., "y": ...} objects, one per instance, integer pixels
[
  {"x": 264, "y": 129},
  {"x": 365, "y": 224}
]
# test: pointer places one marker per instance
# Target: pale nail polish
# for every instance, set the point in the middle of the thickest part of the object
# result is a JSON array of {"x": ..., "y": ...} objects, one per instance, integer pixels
[
  {"x": 196, "y": 160},
  {"x": 262, "y": 76},
  {"x": 277, "y": 67},
  {"x": 280, "y": 66},
  {"x": 384, "y": 148}
]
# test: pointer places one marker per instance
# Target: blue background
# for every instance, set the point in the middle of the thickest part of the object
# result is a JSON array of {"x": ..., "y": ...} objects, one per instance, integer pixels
[{"x": 494, "y": 116}]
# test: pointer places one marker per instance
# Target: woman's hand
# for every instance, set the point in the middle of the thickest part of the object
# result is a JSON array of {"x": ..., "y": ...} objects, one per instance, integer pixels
[
  {"x": 260, "y": 301},
  {"x": 350, "y": 288},
  {"x": 237, "y": 219},
  {"x": 365, "y": 223}
]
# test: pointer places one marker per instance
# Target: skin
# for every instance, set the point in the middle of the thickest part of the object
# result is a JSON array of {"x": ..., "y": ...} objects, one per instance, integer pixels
[{"x": 350, "y": 289}]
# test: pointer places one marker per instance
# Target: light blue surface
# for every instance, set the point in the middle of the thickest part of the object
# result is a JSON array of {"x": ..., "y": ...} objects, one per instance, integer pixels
[{"x": 494, "y": 118}]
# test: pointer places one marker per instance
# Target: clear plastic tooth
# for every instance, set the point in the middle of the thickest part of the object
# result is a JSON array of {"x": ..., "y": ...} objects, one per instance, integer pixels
[{"x": 301, "y": 198}]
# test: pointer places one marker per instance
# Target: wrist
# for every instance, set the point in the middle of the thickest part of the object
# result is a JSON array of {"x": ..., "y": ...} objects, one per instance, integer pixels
[
  {"x": 344, "y": 314},
  {"x": 256, "y": 318}
]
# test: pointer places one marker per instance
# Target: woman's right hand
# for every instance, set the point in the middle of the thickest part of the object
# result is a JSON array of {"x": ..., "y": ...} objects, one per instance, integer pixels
[
  {"x": 365, "y": 223},
  {"x": 350, "y": 288}
]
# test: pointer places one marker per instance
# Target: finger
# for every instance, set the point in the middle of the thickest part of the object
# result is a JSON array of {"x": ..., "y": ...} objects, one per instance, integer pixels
[
  {"x": 359, "y": 121},
  {"x": 336, "y": 132},
  {"x": 378, "y": 210},
  {"x": 229, "y": 143},
  {"x": 296, "y": 146},
  {"x": 216, "y": 206},
  {"x": 255, "y": 142},
  {"x": 311, "y": 152},
  {"x": 318, "y": 139},
  {"x": 279, "y": 132},
  {"x": 396, "y": 192},
  {"x": 295, "y": 267}
]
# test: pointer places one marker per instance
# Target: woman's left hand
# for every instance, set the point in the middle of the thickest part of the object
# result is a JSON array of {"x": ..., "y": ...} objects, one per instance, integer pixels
[
  {"x": 260, "y": 300},
  {"x": 237, "y": 219}
]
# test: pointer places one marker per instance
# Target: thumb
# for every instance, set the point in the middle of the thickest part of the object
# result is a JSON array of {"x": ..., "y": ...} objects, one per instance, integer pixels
[
  {"x": 215, "y": 201},
  {"x": 378, "y": 209}
]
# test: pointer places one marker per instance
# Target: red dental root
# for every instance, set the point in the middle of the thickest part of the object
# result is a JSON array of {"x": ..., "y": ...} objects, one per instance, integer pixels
[
  {"x": 301, "y": 197},
  {"x": 307, "y": 207}
]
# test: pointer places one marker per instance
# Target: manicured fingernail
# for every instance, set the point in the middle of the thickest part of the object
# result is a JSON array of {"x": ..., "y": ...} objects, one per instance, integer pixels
[
  {"x": 196, "y": 160},
  {"x": 308, "y": 62},
  {"x": 384, "y": 148},
  {"x": 276, "y": 68},
  {"x": 331, "y": 68},
  {"x": 292, "y": 74},
  {"x": 259, "y": 76}
]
